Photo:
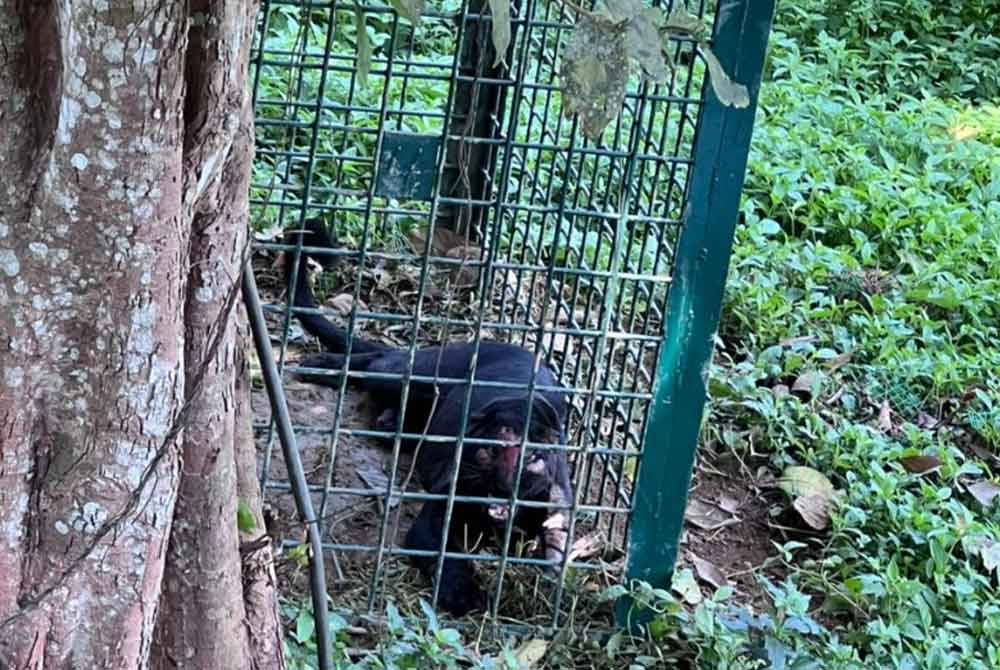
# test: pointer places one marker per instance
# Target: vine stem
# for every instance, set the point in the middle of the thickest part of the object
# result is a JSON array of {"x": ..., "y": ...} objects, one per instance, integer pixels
[{"x": 577, "y": 8}]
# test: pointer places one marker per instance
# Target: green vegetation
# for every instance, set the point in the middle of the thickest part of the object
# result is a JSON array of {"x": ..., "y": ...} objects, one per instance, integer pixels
[
  {"x": 405, "y": 645},
  {"x": 871, "y": 262}
]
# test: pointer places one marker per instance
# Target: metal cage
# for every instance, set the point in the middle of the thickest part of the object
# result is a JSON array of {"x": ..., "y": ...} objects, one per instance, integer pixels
[{"x": 606, "y": 258}]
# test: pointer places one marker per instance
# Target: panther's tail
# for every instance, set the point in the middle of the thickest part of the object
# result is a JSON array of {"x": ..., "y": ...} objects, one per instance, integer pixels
[{"x": 314, "y": 234}]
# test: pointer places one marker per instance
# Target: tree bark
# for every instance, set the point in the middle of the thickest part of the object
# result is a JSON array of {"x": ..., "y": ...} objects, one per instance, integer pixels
[{"x": 125, "y": 141}]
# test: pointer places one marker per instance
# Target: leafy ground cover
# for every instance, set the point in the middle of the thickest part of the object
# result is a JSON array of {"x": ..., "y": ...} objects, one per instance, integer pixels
[{"x": 860, "y": 341}]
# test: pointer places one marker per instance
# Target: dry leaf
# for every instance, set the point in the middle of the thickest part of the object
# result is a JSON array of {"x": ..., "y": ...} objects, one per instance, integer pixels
[
  {"x": 709, "y": 572},
  {"x": 444, "y": 240},
  {"x": 807, "y": 382},
  {"x": 586, "y": 547},
  {"x": 990, "y": 554},
  {"x": 410, "y": 9},
  {"x": 814, "y": 510},
  {"x": 417, "y": 237},
  {"x": 839, "y": 361},
  {"x": 593, "y": 73},
  {"x": 501, "y": 28},
  {"x": 984, "y": 492},
  {"x": 343, "y": 303},
  {"x": 799, "y": 339},
  {"x": 765, "y": 479},
  {"x": 982, "y": 453},
  {"x": 383, "y": 278},
  {"x": 643, "y": 38},
  {"x": 885, "y": 417},
  {"x": 530, "y": 653},
  {"x": 729, "y": 503},
  {"x": 799, "y": 480},
  {"x": 364, "y": 47},
  {"x": 726, "y": 90},
  {"x": 465, "y": 252},
  {"x": 926, "y": 421},
  {"x": 706, "y": 515},
  {"x": 919, "y": 464}
]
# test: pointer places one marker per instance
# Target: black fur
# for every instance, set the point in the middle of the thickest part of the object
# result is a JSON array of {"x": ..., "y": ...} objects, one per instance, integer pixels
[{"x": 494, "y": 413}]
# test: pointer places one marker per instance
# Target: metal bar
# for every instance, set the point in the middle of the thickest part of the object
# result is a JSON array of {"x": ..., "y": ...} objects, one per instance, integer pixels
[
  {"x": 721, "y": 148},
  {"x": 300, "y": 489}
]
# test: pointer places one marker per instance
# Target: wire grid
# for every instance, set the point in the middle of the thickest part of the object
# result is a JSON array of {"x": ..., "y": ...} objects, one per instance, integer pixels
[{"x": 564, "y": 245}]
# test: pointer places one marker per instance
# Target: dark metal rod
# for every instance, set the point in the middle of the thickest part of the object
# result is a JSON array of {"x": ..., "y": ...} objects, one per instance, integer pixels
[{"x": 300, "y": 489}]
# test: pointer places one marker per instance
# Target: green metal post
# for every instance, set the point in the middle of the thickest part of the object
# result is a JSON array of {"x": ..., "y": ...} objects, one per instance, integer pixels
[{"x": 702, "y": 261}]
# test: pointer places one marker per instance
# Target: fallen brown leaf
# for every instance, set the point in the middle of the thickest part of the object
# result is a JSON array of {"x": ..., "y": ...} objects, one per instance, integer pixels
[
  {"x": 800, "y": 339},
  {"x": 465, "y": 252},
  {"x": 708, "y": 572},
  {"x": 920, "y": 464},
  {"x": 800, "y": 480},
  {"x": 586, "y": 547},
  {"x": 343, "y": 303},
  {"x": 706, "y": 516},
  {"x": 838, "y": 362},
  {"x": 814, "y": 510},
  {"x": 729, "y": 503},
  {"x": 530, "y": 653},
  {"x": 991, "y": 556},
  {"x": 807, "y": 383}
]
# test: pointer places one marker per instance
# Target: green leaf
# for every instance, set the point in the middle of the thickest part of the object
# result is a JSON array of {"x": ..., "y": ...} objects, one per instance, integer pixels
[
  {"x": 726, "y": 90},
  {"x": 593, "y": 73},
  {"x": 686, "y": 587},
  {"x": 364, "y": 46},
  {"x": 430, "y": 614},
  {"x": 299, "y": 554},
  {"x": 501, "y": 28},
  {"x": 244, "y": 518},
  {"x": 305, "y": 626},
  {"x": 658, "y": 628},
  {"x": 769, "y": 227},
  {"x": 614, "y": 644},
  {"x": 412, "y": 10},
  {"x": 614, "y": 592},
  {"x": 394, "y": 620}
]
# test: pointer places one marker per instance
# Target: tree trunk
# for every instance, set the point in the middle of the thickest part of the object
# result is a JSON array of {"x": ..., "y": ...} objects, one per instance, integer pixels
[{"x": 125, "y": 141}]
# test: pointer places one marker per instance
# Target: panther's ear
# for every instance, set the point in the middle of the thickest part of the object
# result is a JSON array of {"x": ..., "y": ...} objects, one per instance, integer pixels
[
  {"x": 546, "y": 411},
  {"x": 477, "y": 418}
]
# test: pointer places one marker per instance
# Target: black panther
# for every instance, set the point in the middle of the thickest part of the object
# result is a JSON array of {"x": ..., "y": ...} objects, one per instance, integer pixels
[{"x": 496, "y": 414}]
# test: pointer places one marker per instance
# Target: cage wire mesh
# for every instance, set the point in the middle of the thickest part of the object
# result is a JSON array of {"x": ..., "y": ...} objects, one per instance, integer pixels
[{"x": 467, "y": 207}]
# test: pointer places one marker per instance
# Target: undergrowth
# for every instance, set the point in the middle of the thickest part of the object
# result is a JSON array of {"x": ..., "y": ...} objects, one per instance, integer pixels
[{"x": 871, "y": 262}]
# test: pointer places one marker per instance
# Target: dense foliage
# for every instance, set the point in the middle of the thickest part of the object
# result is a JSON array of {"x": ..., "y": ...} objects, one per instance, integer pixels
[
  {"x": 873, "y": 237},
  {"x": 911, "y": 46}
]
